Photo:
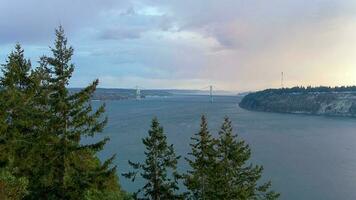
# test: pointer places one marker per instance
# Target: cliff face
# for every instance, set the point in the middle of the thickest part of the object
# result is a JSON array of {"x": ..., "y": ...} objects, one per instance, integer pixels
[{"x": 323, "y": 103}]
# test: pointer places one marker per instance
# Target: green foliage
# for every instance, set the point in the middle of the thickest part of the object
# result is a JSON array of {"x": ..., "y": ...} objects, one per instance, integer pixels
[
  {"x": 299, "y": 99},
  {"x": 234, "y": 177},
  {"x": 199, "y": 179},
  {"x": 11, "y": 187},
  {"x": 220, "y": 168},
  {"x": 159, "y": 169},
  {"x": 338, "y": 101},
  {"x": 285, "y": 102},
  {"x": 310, "y": 89},
  {"x": 42, "y": 125},
  {"x": 72, "y": 117},
  {"x": 20, "y": 117}
]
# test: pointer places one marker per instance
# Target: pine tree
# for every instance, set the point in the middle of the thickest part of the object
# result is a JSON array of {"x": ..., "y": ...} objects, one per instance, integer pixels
[
  {"x": 235, "y": 178},
  {"x": 160, "y": 162},
  {"x": 16, "y": 70},
  {"x": 11, "y": 187},
  {"x": 41, "y": 127},
  {"x": 15, "y": 97},
  {"x": 74, "y": 167},
  {"x": 17, "y": 112},
  {"x": 198, "y": 180}
]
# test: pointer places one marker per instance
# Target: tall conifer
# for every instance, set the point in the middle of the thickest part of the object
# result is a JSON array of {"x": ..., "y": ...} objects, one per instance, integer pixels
[
  {"x": 42, "y": 124},
  {"x": 15, "y": 127},
  {"x": 198, "y": 179},
  {"x": 235, "y": 177},
  {"x": 159, "y": 169},
  {"x": 72, "y": 117},
  {"x": 17, "y": 110}
]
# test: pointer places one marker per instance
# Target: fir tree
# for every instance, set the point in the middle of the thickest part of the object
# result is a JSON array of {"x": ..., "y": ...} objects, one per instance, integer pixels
[
  {"x": 160, "y": 162},
  {"x": 41, "y": 127},
  {"x": 16, "y": 71},
  {"x": 234, "y": 177},
  {"x": 15, "y": 127},
  {"x": 198, "y": 180},
  {"x": 18, "y": 112},
  {"x": 11, "y": 187},
  {"x": 72, "y": 117}
]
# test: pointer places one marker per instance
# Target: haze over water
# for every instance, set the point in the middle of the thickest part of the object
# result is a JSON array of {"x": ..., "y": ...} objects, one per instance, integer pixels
[{"x": 306, "y": 157}]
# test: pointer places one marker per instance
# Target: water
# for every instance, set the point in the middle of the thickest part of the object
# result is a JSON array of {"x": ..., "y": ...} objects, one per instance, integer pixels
[{"x": 306, "y": 157}]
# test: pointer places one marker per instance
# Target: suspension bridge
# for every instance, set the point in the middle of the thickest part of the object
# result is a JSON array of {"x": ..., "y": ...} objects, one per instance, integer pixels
[{"x": 209, "y": 88}]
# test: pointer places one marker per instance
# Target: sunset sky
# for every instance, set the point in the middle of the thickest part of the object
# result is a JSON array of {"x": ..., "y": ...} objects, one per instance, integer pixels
[{"x": 238, "y": 45}]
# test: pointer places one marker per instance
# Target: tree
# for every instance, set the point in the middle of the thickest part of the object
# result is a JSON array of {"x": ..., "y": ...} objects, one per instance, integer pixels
[
  {"x": 16, "y": 71},
  {"x": 15, "y": 101},
  {"x": 11, "y": 187},
  {"x": 234, "y": 177},
  {"x": 160, "y": 167},
  {"x": 19, "y": 115},
  {"x": 41, "y": 127},
  {"x": 198, "y": 179},
  {"x": 72, "y": 117}
]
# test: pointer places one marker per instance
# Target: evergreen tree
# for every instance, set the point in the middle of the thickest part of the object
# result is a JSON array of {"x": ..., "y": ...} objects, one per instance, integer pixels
[
  {"x": 198, "y": 180},
  {"x": 72, "y": 117},
  {"x": 234, "y": 177},
  {"x": 18, "y": 112},
  {"x": 160, "y": 162},
  {"x": 11, "y": 187},
  {"x": 16, "y": 71},
  {"x": 15, "y": 128},
  {"x": 41, "y": 127}
]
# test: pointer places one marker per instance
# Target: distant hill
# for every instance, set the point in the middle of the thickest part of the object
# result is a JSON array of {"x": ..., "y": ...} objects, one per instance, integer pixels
[
  {"x": 338, "y": 101},
  {"x": 120, "y": 94},
  {"x": 199, "y": 92}
]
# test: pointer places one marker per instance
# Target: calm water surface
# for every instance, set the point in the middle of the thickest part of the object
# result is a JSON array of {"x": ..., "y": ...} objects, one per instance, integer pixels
[{"x": 306, "y": 157}]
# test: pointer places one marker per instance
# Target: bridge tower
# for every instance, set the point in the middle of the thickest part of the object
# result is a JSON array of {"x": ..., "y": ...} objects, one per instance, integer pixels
[
  {"x": 282, "y": 80},
  {"x": 211, "y": 94},
  {"x": 138, "y": 93}
]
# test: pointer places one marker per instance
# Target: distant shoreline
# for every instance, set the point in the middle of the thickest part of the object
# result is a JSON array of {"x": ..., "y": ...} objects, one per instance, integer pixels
[{"x": 307, "y": 102}]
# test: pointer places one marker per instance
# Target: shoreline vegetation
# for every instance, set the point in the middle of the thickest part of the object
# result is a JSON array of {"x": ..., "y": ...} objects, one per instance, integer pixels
[
  {"x": 328, "y": 101},
  {"x": 42, "y": 124}
]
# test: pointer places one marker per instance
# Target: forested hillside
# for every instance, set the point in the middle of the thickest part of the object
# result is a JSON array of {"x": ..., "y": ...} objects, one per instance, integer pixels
[{"x": 338, "y": 101}]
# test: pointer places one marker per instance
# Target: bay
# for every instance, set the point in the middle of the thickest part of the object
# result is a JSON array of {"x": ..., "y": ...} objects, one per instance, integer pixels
[{"x": 305, "y": 157}]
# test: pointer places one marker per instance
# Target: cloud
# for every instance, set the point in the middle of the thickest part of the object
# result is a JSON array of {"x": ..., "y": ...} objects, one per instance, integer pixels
[
  {"x": 236, "y": 44},
  {"x": 236, "y": 23},
  {"x": 123, "y": 33},
  {"x": 35, "y": 20},
  {"x": 132, "y": 23}
]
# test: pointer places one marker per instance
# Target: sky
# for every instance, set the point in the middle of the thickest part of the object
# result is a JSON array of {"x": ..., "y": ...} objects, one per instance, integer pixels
[{"x": 237, "y": 45}]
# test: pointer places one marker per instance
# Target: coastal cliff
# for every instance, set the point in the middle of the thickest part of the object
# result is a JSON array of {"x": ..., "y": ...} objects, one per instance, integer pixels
[{"x": 340, "y": 101}]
